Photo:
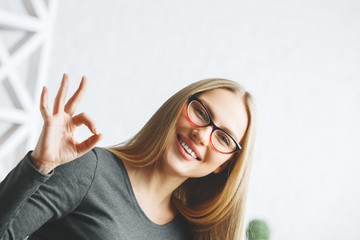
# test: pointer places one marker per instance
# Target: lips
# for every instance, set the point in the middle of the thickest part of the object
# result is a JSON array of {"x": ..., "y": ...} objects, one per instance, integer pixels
[{"x": 189, "y": 147}]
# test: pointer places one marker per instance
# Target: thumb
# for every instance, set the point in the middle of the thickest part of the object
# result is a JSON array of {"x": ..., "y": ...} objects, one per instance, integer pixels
[{"x": 88, "y": 144}]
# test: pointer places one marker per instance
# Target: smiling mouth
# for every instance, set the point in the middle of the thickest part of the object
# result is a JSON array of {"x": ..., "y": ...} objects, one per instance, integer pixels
[{"x": 187, "y": 148}]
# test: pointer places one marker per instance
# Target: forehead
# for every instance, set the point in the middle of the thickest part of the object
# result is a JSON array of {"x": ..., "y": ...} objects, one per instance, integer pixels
[{"x": 227, "y": 111}]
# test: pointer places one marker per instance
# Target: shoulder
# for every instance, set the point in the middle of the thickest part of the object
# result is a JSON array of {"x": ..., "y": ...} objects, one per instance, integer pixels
[
  {"x": 89, "y": 160},
  {"x": 76, "y": 175},
  {"x": 92, "y": 163},
  {"x": 103, "y": 153},
  {"x": 109, "y": 165},
  {"x": 68, "y": 184},
  {"x": 79, "y": 167}
]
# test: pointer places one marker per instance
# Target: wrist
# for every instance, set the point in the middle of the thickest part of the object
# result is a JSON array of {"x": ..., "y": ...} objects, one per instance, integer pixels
[{"x": 41, "y": 166}]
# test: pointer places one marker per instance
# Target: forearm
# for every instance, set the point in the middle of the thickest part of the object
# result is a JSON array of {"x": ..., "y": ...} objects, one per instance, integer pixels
[{"x": 15, "y": 191}]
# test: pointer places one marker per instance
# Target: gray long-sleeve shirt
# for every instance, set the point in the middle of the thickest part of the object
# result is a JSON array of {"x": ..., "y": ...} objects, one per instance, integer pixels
[{"x": 88, "y": 198}]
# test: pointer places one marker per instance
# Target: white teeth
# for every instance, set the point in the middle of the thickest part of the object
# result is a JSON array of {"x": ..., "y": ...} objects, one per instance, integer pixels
[{"x": 188, "y": 149}]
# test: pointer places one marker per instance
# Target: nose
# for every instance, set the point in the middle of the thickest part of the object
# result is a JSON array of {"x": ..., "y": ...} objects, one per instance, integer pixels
[{"x": 201, "y": 135}]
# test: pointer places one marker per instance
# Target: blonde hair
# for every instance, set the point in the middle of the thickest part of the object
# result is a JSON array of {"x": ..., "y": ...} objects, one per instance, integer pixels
[{"x": 215, "y": 204}]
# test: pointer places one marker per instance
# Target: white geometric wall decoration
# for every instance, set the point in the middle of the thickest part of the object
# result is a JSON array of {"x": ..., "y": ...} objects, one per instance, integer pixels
[{"x": 25, "y": 38}]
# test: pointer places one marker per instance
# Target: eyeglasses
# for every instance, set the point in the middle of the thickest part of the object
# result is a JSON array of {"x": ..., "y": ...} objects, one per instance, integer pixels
[{"x": 198, "y": 115}]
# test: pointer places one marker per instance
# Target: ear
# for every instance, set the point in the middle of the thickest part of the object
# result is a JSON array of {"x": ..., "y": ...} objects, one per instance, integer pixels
[{"x": 221, "y": 167}]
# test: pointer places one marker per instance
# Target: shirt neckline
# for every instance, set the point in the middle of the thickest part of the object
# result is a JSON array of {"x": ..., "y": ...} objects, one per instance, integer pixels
[{"x": 137, "y": 206}]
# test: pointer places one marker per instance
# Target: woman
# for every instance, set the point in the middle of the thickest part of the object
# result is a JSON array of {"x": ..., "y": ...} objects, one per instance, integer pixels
[{"x": 184, "y": 175}]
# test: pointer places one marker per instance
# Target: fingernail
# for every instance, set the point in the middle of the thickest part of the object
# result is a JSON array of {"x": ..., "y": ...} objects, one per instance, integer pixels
[{"x": 95, "y": 131}]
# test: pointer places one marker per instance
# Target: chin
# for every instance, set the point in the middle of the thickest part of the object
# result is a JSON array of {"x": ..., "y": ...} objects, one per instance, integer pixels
[{"x": 173, "y": 163}]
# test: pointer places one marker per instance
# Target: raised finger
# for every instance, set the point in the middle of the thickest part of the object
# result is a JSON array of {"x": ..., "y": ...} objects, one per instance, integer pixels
[
  {"x": 60, "y": 97},
  {"x": 44, "y": 107},
  {"x": 83, "y": 118},
  {"x": 88, "y": 144},
  {"x": 73, "y": 102}
]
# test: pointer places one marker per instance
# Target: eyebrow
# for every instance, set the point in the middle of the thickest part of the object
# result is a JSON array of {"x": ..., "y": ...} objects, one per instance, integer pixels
[{"x": 212, "y": 116}]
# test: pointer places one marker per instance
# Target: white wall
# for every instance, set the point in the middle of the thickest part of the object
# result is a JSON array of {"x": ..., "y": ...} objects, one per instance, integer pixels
[{"x": 300, "y": 59}]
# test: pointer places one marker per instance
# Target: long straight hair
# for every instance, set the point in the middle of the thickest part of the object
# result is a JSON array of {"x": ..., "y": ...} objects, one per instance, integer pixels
[{"x": 215, "y": 205}]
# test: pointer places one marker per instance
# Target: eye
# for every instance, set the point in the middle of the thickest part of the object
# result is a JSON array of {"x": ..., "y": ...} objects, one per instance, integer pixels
[
  {"x": 200, "y": 112},
  {"x": 223, "y": 138}
]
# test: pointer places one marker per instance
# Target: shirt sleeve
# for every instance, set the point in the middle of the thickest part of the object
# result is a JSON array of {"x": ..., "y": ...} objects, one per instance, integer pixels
[{"x": 29, "y": 198}]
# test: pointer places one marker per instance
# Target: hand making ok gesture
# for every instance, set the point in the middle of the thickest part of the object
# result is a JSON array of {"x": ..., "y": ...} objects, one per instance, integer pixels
[{"x": 56, "y": 144}]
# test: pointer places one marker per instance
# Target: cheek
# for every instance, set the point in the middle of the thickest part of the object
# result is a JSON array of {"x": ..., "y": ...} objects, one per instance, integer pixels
[
  {"x": 212, "y": 161},
  {"x": 182, "y": 120},
  {"x": 182, "y": 124},
  {"x": 216, "y": 159}
]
